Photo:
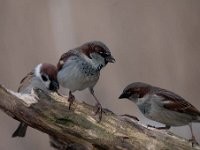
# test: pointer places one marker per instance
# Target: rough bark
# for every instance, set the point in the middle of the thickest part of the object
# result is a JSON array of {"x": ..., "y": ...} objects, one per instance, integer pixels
[{"x": 79, "y": 128}]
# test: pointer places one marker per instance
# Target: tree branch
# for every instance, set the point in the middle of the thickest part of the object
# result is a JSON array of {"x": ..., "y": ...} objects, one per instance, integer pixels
[{"x": 78, "y": 128}]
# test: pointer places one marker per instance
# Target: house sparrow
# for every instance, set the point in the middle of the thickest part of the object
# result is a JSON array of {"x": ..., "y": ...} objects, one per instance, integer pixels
[
  {"x": 79, "y": 68},
  {"x": 44, "y": 77},
  {"x": 162, "y": 106}
]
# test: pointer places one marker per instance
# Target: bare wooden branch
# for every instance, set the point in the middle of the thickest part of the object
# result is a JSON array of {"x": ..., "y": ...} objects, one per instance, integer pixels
[{"x": 78, "y": 128}]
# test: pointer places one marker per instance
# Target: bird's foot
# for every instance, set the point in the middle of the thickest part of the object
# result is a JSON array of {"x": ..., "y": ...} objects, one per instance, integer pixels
[
  {"x": 71, "y": 100},
  {"x": 193, "y": 141},
  {"x": 130, "y": 117},
  {"x": 150, "y": 126},
  {"x": 158, "y": 128},
  {"x": 99, "y": 111}
]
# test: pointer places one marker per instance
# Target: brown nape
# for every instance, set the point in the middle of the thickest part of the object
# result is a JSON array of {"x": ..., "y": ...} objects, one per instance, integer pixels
[
  {"x": 142, "y": 91},
  {"x": 94, "y": 46},
  {"x": 50, "y": 70},
  {"x": 87, "y": 49},
  {"x": 64, "y": 58}
]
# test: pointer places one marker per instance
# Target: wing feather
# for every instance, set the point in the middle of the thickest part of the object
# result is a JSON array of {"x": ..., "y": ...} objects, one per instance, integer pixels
[
  {"x": 175, "y": 102},
  {"x": 25, "y": 81},
  {"x": 64, "y": 58}
]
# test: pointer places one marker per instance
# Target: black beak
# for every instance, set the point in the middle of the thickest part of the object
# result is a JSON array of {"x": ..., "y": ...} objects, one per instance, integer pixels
[
  {"x": 54, "y": 86},
  {"x": 110, "y": 59},
  {"x": 123, "y": 95}
]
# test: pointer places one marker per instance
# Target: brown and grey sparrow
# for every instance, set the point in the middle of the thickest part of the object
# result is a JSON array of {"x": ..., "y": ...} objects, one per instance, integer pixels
[
  {"x": 79, "y": 68},
  {"x": 162, "y": 106},
  {"x": 43, "y": 77}
]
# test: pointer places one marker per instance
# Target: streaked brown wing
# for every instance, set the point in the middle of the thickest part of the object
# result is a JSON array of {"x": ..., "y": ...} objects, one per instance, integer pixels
[
  {"x": 175, "y": 102},
  {"x": 25, "y": 81}
]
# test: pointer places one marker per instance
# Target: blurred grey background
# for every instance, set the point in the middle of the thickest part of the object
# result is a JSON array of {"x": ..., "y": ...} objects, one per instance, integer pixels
[{"x": 154, "y": 41}]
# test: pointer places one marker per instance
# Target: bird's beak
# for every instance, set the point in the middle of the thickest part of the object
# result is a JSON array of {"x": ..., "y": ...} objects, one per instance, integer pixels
[
  {"x": 110, "y": 59},
  {"x": 54, "y": 86},
  {"x": 123, "y": 95}
]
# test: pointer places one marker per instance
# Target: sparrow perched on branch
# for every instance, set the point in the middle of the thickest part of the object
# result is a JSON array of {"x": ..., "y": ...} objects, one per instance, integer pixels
[
  {"x": 162, "y": 106},
  {"x": 43, "y": 77},
  {"x": 79, "y": 68}
]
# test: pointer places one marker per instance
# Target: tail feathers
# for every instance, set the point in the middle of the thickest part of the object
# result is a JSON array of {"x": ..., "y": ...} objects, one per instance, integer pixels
[{"x": 20, "y": 131}]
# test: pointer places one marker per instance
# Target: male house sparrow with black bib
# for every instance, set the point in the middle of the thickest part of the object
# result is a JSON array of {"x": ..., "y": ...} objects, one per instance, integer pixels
[
  {"x": 162, "y": 106},
  {"x": 79, "y": 68},
  {"x": 44, "y": 77}
]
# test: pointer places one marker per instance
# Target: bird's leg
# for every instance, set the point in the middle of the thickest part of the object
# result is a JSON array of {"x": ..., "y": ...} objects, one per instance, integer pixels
[
  {"x": 71, "y": 99},
  {"x": 193, "y": 139},
  {"x": 130, "y": 116},
  {"x": 98, "y": 105},
  {"x": 159, "y": 128}
]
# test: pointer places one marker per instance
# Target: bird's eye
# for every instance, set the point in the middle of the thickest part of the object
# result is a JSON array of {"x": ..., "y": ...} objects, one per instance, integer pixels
[
  {"x": 44, "y": 78},
  {"x": 103, "y": 54}
]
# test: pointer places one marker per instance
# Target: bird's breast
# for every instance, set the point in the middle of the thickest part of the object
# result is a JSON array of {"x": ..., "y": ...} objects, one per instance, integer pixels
[{"x": 78, "y": 76}]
